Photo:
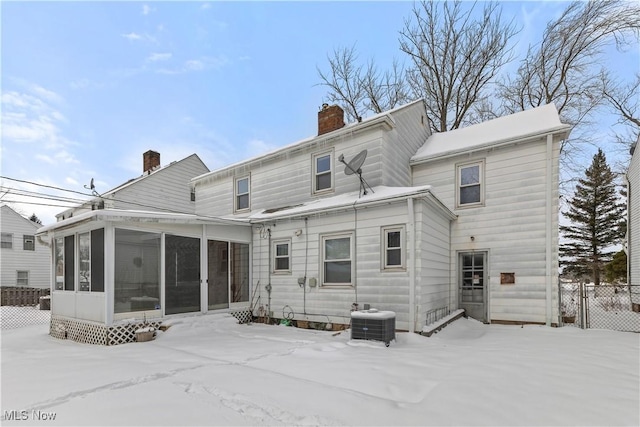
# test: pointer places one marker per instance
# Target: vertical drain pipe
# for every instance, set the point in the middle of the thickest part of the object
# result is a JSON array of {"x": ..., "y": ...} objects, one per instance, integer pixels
[
  {"x": 549, "y": 228},
  {"x": 412, "y": 265}
]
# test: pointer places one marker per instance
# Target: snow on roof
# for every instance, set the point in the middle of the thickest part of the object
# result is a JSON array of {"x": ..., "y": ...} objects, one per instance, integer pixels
[
  {"x": 380, "y": 117},
  {"x": 136, "y": 215},
  {"x": 525, "y": 124},
  {"x": 347, "y": 200}
]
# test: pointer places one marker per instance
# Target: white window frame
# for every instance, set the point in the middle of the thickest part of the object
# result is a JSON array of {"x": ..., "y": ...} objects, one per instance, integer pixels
[
  {"x": 236, "y": 194},
  {"x": 314, "y": 180},
  {"x": 481, "y": 168},
  {"x": 275, "y": 244},
  {"x": 18, "y": 278},
  {"x": 384, "y": 248},
  {"x": 6, "y": 240},
  {"x": 28, "y": 242},
  {"x": 323, "y": 238}
]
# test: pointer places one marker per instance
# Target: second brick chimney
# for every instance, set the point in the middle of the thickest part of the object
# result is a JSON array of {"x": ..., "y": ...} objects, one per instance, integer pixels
[
  {"x": 330, "y": 118},
  {"x": 150, "y": 161}
]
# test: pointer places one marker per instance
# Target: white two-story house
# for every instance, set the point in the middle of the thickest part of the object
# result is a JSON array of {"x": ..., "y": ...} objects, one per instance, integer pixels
[
  {"x": 378, "y": 213},
  {"x": 24, "y": 260}
]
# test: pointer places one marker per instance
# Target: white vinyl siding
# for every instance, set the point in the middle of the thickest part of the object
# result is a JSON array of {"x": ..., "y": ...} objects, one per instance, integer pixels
[
  {"x": 166, "y": 189},
  {"x": 286, "y": 177},
  {"x": 36, "y": 262},
  {"x": 510, "y": 225}
]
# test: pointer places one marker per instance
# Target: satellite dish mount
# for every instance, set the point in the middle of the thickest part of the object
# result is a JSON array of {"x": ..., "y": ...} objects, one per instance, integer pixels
[{"x": 355, "y": 167}]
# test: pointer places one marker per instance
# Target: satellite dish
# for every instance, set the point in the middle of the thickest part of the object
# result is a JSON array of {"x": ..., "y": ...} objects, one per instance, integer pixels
[
  {"x": 356, "y": 163},
  {"x": 355, "y": 167}
]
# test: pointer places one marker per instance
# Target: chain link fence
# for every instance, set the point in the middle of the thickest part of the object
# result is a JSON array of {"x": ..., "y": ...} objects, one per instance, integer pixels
[
  {"x": 601, "y": 307},
  {"x": 20, "y": 306}
]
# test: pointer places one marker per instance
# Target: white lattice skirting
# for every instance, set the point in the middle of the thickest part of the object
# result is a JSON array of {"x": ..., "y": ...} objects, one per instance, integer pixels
[
  {"x": 243, "y": 316},
  {"x": 95, "y": 333}
]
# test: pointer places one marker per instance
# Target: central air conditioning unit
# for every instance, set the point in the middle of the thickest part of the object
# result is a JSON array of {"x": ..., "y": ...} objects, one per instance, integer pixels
[{"x": 373, "y": 325}]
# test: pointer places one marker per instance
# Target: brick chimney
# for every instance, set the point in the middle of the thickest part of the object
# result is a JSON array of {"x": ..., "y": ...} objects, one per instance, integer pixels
[
  {"x": 330, "y": 118},
  {"x": 150, "y": 161}
]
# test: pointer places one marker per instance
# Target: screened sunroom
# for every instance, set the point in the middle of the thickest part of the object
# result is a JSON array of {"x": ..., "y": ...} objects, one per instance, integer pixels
[{"x": 113, "y": 270}]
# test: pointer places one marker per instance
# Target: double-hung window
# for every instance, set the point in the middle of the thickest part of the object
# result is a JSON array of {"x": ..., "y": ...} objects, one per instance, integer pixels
[
  {"x": 470, "y": 184},
  {"x": 393, "y": 248},
  {"x": 282, "y": 256},
  {"x": 22, "y": 278},
  {"x": 322, "y": 172},
  {"x": 6, "y": 240},
  {"x": 337, "y": 259},
  {"x": 242, "y": 193}
]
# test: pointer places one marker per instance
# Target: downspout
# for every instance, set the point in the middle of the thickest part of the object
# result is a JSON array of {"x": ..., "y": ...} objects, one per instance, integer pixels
[
  {"x": 549, "y": 229},
  {"x": 411, "y": 261}
]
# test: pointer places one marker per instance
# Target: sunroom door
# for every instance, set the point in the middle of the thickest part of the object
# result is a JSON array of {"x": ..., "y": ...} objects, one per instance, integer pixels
[
  {"x": 472, "y": 278},
  {"x": 182, "y": 274},
  {"x": 228, "y": 274}
]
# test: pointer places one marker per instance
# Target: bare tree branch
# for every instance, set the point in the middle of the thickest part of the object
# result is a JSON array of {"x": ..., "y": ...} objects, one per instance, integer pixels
[{"x": 455, "y": 57}]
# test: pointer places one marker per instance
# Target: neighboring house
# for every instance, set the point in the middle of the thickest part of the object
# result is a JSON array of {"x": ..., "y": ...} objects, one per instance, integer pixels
[
  {"x": 24, "y": 259},
  {"x": 378, "y": 213},
  {"x": 633, "y": 226},
  {"x": 164, "y": 189}
]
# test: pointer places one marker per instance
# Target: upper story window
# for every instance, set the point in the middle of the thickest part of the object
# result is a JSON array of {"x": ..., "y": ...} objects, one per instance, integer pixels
[
  {"x": 242, "y": 188},
  {"x": 337, "y": 250},
  {"x": 470, "y": 184},
  {"x": 282, "y": 256},
  {"x": 28, "y": 242},
  {"x": 322, "y": 172},
  {"x": 393, "y": 247},
  {"x": 6, "y": 241}
]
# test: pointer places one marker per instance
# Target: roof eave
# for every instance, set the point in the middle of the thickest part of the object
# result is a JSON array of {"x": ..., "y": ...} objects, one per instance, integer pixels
[{"x": 561, "y": 131}]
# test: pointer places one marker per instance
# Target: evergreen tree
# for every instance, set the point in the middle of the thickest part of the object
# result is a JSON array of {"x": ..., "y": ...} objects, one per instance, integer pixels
[
  {"x": 597, "y": 222},
  {"x": 34, "y": 218},
  {"x": 616, "y": 270}
]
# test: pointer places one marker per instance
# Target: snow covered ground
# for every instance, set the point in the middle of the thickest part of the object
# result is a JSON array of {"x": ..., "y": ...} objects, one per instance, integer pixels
[{"x": 209, "y": 370}]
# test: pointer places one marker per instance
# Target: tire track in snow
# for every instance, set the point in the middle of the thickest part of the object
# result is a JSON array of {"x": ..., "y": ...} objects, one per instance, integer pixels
[
  {"x": 260, "y": 412},
  {"x": 46, "y": 404}
]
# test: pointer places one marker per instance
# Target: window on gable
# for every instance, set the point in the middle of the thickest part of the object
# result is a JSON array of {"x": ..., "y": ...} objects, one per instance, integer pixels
[
  {"x": 470, "y": 184},
  {"x": 22, "y": 278},
  {"x": 242, "y": 193},
  {"x": 28, "y": 242},
  {"x": 322, "y": 172},
  {"x": 393, "y": 248},
  {"x": 6, "y": 240},
  {"x": 282, "y": 256},
  {"x": 337, "y": 259}
]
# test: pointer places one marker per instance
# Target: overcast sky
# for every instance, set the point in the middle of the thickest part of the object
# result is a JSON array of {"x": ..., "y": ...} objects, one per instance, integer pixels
[{"x": 87, "y": 87}]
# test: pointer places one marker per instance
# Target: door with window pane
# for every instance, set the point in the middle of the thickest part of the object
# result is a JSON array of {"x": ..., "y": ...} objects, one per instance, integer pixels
[{"x": 472, "y": 277}]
